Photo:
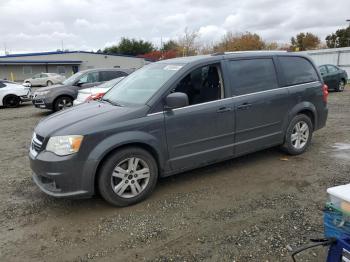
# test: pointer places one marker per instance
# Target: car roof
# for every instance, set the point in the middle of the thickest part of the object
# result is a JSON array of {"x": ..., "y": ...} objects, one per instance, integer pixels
[
  {"x": 105, "y": 69},
  {"x": 228, "y": 55}
]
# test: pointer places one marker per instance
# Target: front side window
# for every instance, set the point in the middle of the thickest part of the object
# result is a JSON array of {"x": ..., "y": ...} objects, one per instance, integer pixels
[
  {"x": 202, "y": 85},
  {"x": 141, "y": 85},
  {"x": 297, "y": 70},
  {"x": 252, "y": 75},
  {"x": 91, "y": 77},
  {"x": 332, "y": 69}
]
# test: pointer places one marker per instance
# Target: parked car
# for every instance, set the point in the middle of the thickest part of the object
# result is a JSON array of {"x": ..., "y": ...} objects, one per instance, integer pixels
[
  {"x": 12, "y": 94},
  {"x": 176, "y": 115},
  {"x": 96, "y": 92},
  {"x": 45, "y": 79},
  {"x": 60, "y": 97},
  {"x": 334, "y": 77}
]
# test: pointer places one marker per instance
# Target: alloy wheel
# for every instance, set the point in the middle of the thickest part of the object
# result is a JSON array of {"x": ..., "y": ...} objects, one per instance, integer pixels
[
  {"x": 130, "y": 177},
  {"x": 300, "y": 135},
  {"x": 64, "y": 103}
]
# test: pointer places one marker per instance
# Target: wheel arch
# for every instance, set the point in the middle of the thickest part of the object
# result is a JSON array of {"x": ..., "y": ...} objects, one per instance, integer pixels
[
  {"x": 7, "y": 95},
  {"x": 106, "y": 148},
  {"x": 305, "y": 108}
]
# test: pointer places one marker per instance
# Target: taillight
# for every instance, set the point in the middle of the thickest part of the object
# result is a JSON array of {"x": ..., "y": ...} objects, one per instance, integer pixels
[
  {"x": 95, "y": 96},
  {"x": 325, "y": 93}
]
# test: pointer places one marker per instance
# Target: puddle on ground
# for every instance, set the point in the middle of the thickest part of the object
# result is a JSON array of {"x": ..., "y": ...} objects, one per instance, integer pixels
[{"x": 341, "y": 151}]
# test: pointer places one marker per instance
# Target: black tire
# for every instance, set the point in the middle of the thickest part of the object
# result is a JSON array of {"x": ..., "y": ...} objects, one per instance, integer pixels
[
  {"x": 11, "y": 101},
  {"x": 106, "y": 181},
  {"x": 49, "y": 83},
  {"x": 62, "y": 102},
  {"x": 290, "y": 146},
  {"x": 341, "y": 86}
]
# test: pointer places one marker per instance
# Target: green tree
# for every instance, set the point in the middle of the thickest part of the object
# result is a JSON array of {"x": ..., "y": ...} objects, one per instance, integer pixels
[
  {"x": 130, "y": 47},
  {"x": 304, "y": 41},
  {"x": 341, "y": 38},
  {"x": 170, "y": 45}
]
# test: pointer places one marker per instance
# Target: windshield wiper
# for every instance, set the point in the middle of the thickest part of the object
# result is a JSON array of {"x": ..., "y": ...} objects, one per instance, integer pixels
[{"x": 111, "y": 102}]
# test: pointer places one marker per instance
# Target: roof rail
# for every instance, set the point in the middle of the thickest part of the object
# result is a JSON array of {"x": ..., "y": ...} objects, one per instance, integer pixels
[{"x": 250, "y": 51}]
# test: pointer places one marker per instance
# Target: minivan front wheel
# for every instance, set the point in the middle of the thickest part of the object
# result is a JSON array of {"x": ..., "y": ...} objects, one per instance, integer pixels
[
  {"x": 128, "y": 176},
  {"x": 298, "y": 135}
]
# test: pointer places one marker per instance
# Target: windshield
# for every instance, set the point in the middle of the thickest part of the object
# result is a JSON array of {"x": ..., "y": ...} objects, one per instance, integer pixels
[
  {"x": 141, "y": 85},
  {"x": 71, "y": 80},
  {"x": 111, "y": 83}
]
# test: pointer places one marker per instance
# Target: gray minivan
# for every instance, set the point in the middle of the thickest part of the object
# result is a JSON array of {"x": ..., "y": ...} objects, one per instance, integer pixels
[{"x": 176, "y": 115}]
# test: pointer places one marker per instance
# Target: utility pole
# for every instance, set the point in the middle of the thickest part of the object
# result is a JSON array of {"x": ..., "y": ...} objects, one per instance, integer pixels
[{"x": 348, "y": 20}]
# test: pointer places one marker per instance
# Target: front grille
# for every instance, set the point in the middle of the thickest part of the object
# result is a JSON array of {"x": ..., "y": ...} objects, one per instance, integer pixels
[{"x": 36, "y": 144}]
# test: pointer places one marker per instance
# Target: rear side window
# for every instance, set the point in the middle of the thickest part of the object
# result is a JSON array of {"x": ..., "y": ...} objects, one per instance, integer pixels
[
  {"x": 109, "y": 75},
  {"x": 332, "y": 69},
  {"x": 253, "y": 75},
  {"x": 297, "y": 70}
]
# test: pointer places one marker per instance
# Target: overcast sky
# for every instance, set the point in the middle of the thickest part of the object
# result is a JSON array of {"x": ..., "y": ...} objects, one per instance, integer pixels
[{"x": 41, "y": 25}]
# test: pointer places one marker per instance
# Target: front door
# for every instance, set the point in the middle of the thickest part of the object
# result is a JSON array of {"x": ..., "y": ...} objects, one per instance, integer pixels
[{"x": 202, "y": 132}]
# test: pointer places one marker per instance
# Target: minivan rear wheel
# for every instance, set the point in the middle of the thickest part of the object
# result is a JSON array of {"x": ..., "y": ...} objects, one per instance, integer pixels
[
  {"x": 128, "y": 176},
  {"x": 298, "y": 135}
]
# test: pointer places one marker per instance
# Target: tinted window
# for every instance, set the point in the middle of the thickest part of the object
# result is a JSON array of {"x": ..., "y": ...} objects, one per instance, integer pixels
[
  {"x": 253, "y": 75},
  {"x": 332, "y": 69},
  {"x": 297, "y": 70},
  {"x": 2, "y": 84},
  {"x": 109, "y": 75}
]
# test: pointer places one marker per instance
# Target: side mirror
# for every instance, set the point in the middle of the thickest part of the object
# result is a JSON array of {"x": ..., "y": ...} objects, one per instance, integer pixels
[
  {"x": 176, "y": 100},
  {"x": 27, "y": 84}
]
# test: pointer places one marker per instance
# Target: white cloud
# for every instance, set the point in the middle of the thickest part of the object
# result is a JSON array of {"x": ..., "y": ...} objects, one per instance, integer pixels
[{"x": 37, "y": 25}]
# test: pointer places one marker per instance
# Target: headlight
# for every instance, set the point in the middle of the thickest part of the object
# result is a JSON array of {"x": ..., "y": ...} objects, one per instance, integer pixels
[
  {"x": 41, "y": 93},
  {"x": 64, "y": 145}
]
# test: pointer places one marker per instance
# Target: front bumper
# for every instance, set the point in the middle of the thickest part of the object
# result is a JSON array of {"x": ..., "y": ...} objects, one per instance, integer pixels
[
  {"x": 61, "y": 176},
  {"x": 41, "y": 103}
]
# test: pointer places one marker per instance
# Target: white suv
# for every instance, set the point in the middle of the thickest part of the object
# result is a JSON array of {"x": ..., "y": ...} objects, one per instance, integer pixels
[
  {"x": 12, "y": 94},
  {"x": 45, "y": 79}
]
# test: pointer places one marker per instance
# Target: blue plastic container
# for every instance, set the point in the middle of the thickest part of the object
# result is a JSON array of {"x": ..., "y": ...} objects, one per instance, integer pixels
[{"x": 336, "y": 224}]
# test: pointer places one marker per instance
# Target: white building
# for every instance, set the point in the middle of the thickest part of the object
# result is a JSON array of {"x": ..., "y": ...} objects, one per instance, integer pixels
[
  {"x": 335, "y": 56},
  {"x": 18, "y": 67}
]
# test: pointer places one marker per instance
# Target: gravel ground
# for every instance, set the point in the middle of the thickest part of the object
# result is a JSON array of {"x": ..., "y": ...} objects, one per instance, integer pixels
[{"x": 245, "y": 209}]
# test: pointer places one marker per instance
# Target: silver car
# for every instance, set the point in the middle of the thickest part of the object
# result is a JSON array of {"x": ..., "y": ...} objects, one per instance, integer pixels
[
  {"x": 45, "y": 79},
  {"x": 95, "y": 92}
]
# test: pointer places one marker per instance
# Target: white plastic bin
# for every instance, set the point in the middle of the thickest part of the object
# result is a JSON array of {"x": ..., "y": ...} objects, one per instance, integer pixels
[{"x": 340, "y": 197}]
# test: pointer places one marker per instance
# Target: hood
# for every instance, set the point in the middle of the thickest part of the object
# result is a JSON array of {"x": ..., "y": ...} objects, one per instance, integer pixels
[
  {"x": 17, "y": 86},
  {"x": 87, "y": 118},
  {"x": 48, "y": 88},
  {"x": 94, "y": 90}
]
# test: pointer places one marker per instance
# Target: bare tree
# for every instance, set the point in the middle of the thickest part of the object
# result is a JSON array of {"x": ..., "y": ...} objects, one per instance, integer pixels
[{"x": 187, "y": 43}]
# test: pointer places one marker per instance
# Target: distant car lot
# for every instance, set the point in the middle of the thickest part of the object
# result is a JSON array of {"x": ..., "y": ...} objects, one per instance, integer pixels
[{"x": 248, "y": 208}]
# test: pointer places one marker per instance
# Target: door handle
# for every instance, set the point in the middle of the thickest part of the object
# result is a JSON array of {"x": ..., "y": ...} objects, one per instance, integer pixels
[
  {"x": 224, "y": 109},
  {"x": 244, "y": 106}
]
